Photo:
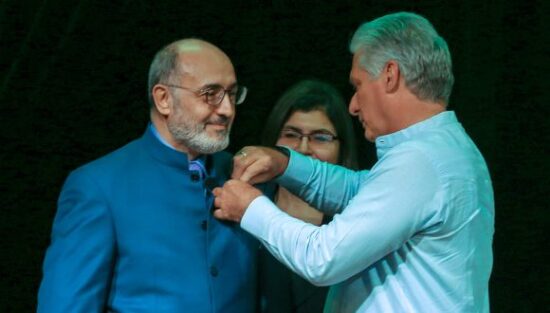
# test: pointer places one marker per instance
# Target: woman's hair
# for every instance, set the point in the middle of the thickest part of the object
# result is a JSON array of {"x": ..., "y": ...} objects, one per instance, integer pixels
[{"x": 312, "y": 95}]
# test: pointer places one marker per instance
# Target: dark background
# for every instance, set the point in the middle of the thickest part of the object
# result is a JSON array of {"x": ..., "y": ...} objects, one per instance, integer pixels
[{"x": 73, "y": 87}]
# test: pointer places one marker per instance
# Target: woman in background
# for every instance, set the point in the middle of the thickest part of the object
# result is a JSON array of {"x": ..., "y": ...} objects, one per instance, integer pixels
[{"x": 312, "y": 118}]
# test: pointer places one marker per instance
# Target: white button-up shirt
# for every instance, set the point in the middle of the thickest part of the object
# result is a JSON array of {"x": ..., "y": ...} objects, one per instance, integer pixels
[{"x": 414, "y": 234}]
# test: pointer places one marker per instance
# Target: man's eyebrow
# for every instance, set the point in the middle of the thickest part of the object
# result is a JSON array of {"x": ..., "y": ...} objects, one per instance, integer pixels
[
  {"x": 215, "y": 86},
  {"x": 210, "y": 86}
]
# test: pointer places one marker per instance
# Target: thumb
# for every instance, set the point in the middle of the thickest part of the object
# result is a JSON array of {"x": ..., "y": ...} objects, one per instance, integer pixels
[{"x": 220, "y": 214}]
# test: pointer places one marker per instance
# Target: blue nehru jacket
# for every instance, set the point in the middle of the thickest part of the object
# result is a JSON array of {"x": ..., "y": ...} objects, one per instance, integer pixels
[{"x": 134, "y": 233}]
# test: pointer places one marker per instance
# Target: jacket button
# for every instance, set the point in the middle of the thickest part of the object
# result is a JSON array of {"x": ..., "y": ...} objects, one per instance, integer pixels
[
  {"x": 214, "y": 271},
  {"x": 204, "y": 225}
]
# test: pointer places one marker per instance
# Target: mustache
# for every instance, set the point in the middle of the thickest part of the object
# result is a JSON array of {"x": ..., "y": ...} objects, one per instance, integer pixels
[{"x": 220, "y": 120}]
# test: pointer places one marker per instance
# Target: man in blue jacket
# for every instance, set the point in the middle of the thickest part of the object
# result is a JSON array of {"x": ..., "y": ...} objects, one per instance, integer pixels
[{"x": 134, "y": 230}]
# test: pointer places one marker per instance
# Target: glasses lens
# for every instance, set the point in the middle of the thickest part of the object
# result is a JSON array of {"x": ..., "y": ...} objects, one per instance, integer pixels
[
  {"x": 214, "y": 95},
  {"x": 322, "y": 138},
  {"x": 290, "y": 135},
  {"x": 240, "y": 94}
]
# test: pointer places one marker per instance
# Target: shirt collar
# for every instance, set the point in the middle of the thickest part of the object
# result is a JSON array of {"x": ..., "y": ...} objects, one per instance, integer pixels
[
  {"x": 386, "y": 142},
  {"x": 159, "y": 137},
  {"x": 201, "y": 159}
]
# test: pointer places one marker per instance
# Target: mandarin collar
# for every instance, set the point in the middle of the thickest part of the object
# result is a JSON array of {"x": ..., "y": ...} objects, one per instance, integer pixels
[{"x": 163, "y": 153}]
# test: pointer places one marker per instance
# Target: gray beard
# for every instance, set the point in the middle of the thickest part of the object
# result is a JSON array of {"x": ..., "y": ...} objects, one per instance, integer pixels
[{"x": 196, "y": 139}]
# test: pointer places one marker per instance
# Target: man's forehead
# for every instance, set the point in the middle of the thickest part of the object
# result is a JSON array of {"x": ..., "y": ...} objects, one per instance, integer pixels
[
  {"x": 204, "y": 74},
  {"x": 204, "y": 58},
  {"x": 195, "y": 51},
  {"x": 355, "y": 66},
  {"x": 353, "y": 73},
  {"x": 356, "y": 59},
  {"x": 202, "y": 64}
]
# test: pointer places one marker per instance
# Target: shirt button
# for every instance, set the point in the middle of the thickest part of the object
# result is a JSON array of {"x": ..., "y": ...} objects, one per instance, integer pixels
[
  {"x": 204, "y": 225},
  {"x": 214, "y": 271},
  {"x": 195, "y": 177}
]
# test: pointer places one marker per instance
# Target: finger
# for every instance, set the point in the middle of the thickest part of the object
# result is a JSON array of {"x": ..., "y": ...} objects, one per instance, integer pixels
[
  {"x": 217, "y": 202},
  {"x": 219, "y": 214},
  {"x": 217, "y": 191},
  {"x": 247, "y": 175},
  {"x": 254, "y": 173},
  {"x": 240, "y": 165},
  {"x": 238, "y": 169},
  {"x": 223, "y": 215},
  {"x": 242, "y": 153}
]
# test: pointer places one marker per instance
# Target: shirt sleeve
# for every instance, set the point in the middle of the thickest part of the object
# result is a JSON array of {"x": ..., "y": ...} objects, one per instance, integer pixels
[
  {"x": 77, "y": 267},
  {"x": 392, "y": 203},
  {"x": 326, "y": 187}
]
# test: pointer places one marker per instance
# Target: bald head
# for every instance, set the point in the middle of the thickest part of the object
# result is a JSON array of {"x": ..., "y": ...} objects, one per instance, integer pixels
[
  {"x": 179, "y": 58},
  {"x": 193, "y": 45}
]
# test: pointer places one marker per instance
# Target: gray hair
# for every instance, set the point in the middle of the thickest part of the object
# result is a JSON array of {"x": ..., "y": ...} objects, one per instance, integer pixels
[
  {"x": 411, "y": 40},
  {"x": 163, "y": 66}
]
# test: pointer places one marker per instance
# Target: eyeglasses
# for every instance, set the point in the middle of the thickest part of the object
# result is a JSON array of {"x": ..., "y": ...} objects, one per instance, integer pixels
[
  {"x": 293, "y": 136},
  {"x": 214, "y": 94}
]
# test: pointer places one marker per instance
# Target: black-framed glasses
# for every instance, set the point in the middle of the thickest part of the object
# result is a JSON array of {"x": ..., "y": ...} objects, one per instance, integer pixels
[
  {"x": 214, "y": 94},
  {"x": 294, "y": 136}
]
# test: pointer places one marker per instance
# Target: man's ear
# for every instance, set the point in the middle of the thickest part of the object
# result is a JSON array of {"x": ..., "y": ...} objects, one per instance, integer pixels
[
  {"x": 391, "y": 75},
  {"x": 162, "y": 99}
]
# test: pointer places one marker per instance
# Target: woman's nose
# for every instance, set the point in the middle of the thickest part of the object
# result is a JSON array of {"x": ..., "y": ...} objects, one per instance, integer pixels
[{"x": 304, "y": 147}]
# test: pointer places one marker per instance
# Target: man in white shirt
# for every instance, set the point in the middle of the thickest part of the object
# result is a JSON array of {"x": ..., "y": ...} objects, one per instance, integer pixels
[{"x": 413, "y": 234}]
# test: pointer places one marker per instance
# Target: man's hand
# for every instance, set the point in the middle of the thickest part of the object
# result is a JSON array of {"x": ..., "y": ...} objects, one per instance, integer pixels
[
  {"x": 258, "y": 164},
  {"x": 232, "y": 200}
]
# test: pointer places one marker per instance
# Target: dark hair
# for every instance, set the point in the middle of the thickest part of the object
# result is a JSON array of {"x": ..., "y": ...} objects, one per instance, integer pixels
[{"x": 310, "y": 95}]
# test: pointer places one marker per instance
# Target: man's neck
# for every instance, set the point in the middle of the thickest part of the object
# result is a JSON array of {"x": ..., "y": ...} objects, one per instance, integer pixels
[
  {"x": 410, "y": 110},
  {"x": 161, "y": 127}
]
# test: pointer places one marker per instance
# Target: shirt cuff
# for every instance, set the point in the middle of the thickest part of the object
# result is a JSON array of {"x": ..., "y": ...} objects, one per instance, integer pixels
[{"x": 298, "y": 171}]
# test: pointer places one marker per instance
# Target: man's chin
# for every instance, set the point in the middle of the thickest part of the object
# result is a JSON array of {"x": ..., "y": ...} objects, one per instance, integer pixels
[
  {"x": 215, "y": 144},
  {"x": 370, "y": 136},
  {"x": 217, "y": 137}
]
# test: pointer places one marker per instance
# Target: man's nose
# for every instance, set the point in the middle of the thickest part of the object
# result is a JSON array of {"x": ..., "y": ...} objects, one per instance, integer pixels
[
  {"x": 353, "y": 108},
  {"x": 226, "y": 107}
]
